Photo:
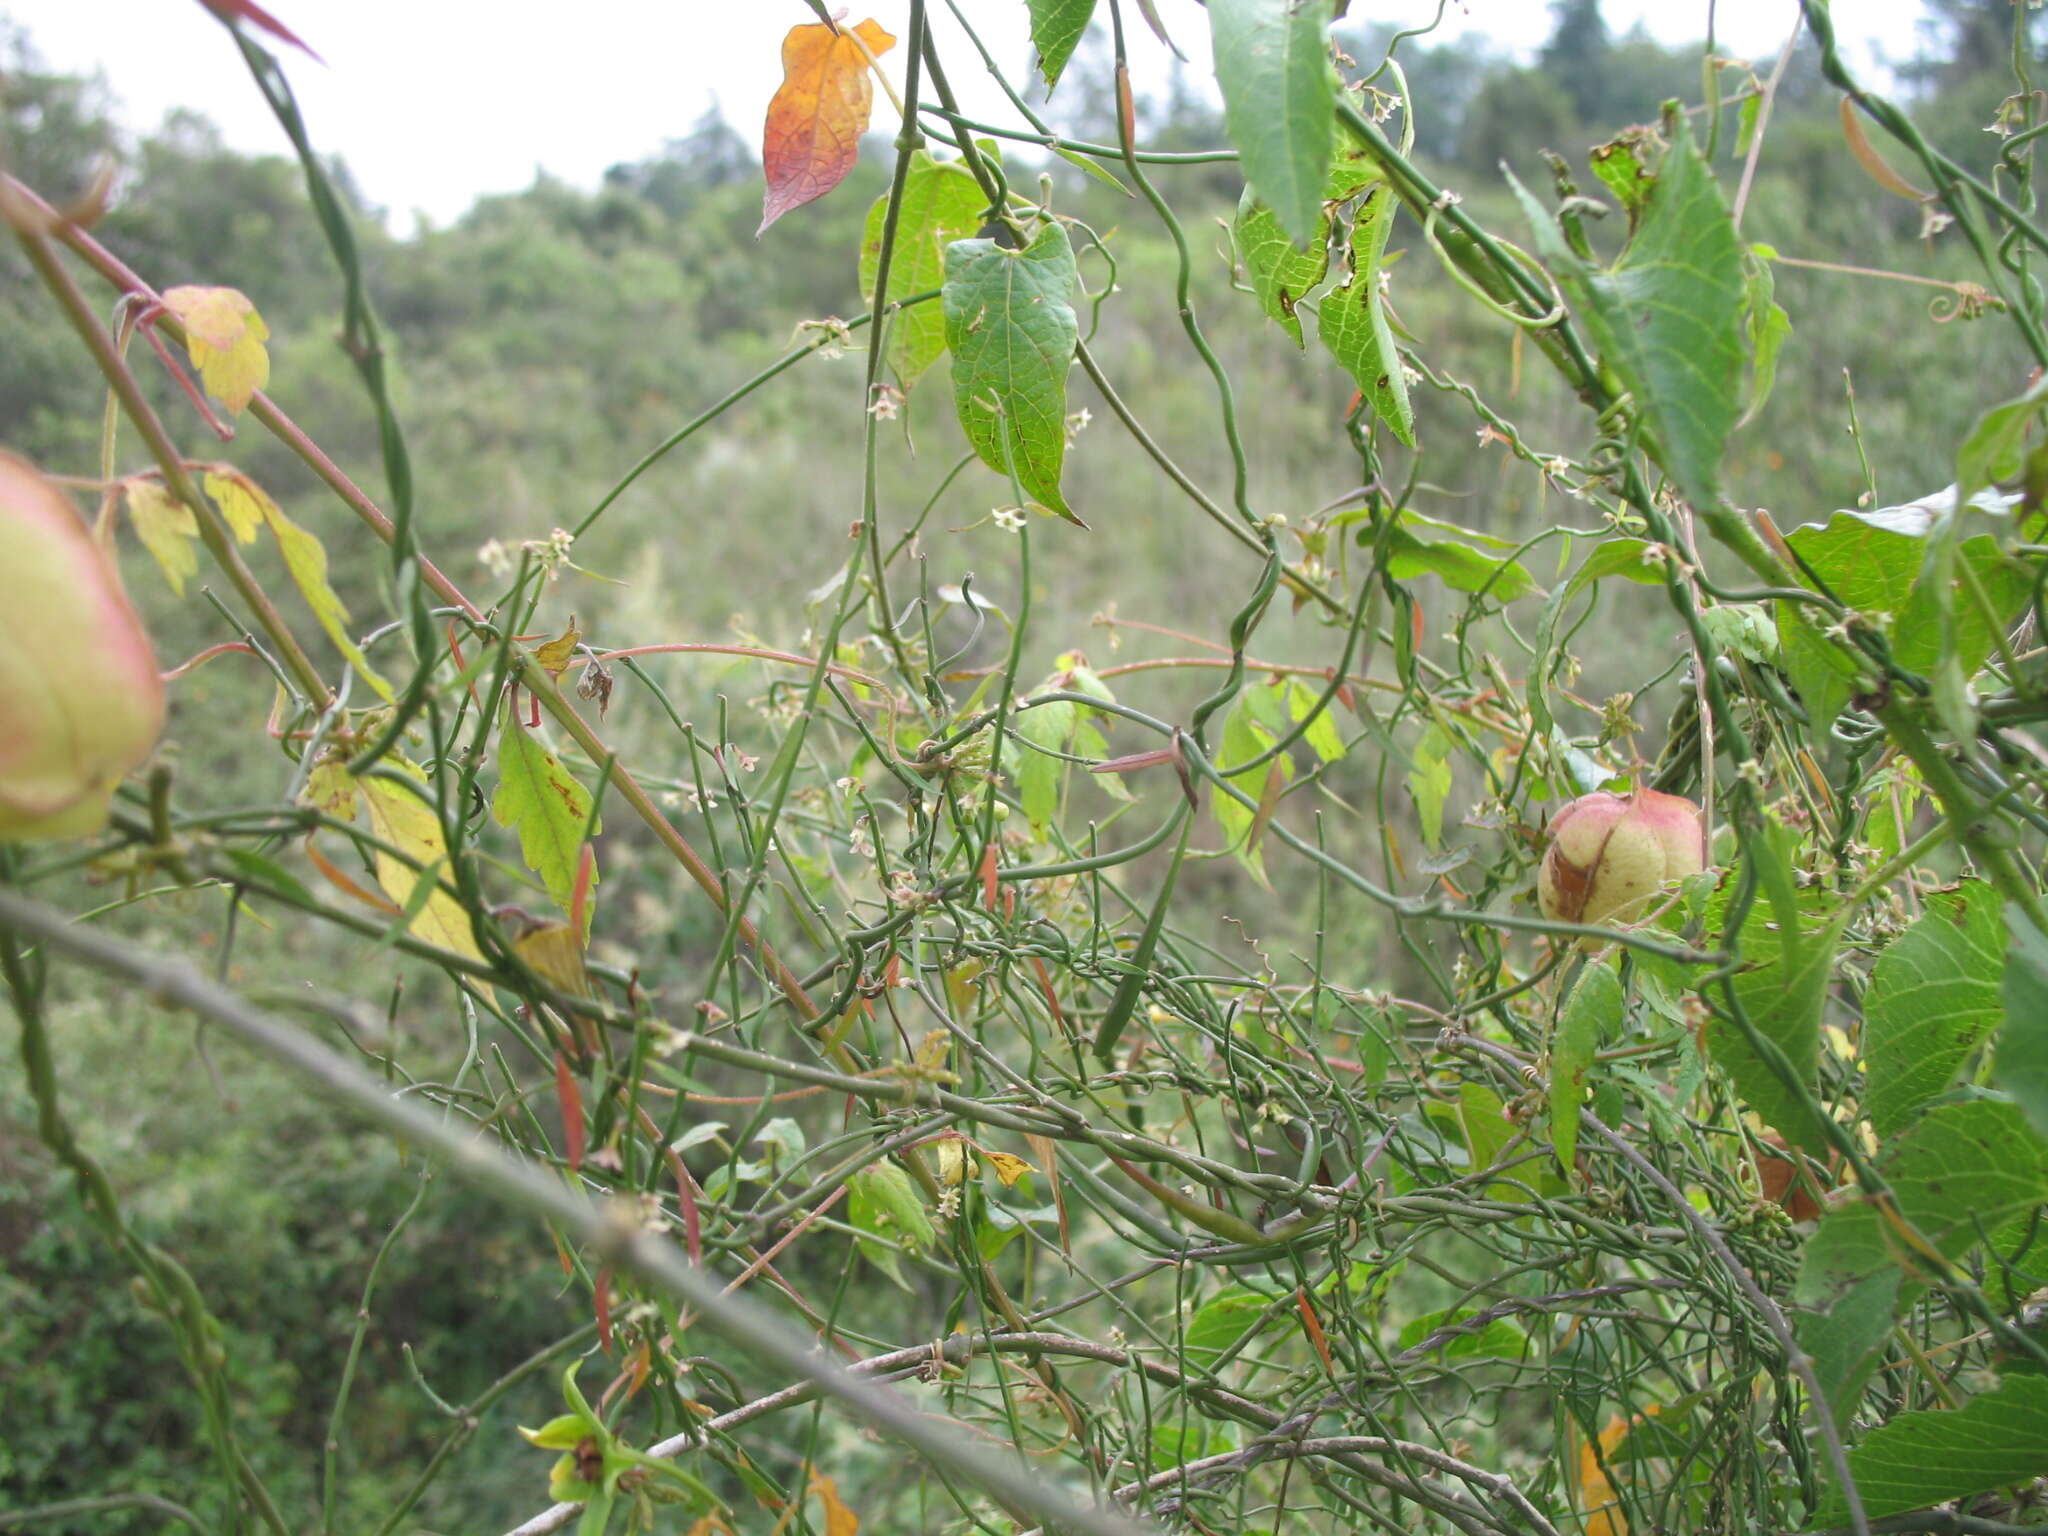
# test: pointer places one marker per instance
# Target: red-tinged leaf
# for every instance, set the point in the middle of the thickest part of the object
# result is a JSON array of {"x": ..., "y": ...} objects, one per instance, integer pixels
[
  {"x": 1049, "y": 1159},
  {"x": 225, "y": 336},
  {"x": 1313, "y": 1326},
  {"x": 812, "y": 136},
  {"x": 1051, "y": 998},
  {"x": 988, "y": 876},
  {"x": 572, "y": 1111},
  {"x": 601, "y": 1298},
  {"x": 249, "y": 11}
]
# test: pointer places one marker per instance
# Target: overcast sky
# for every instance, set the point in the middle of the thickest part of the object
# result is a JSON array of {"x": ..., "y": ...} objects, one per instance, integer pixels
[{"x": 432, "y": 102}]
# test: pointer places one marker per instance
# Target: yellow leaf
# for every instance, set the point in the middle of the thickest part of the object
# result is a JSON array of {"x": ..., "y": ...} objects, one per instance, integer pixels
[
  {"x": 1009, "y": 1167},
  {"x": 241, "y": 501},
  {"x": 556, "y": 957},
  {"x": 954, "y": 1159},
  {"x": 555, "y": 656},
  {"x": 401, "y": 816},
  {"x": 225, "y": 336},
  {"x": 330, "y": 788},
  {"x": 167, "y": 529},
  {"x": 246, "y": 505},
  {"x": 839, "y": 1520}
]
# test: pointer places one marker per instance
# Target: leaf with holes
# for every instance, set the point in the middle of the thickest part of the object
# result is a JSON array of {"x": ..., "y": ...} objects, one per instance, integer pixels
[
  {"x": 1011, "y": 328},
  {"x": 1352, "y": 321},
  {"x": 818, "y": 113}
]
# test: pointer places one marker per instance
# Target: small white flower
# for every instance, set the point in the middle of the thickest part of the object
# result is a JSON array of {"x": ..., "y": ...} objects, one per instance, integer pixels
[
  {"x": 887, "y": 403},
  {"x": 1446, "y": 199},
  {"x": 495, "y": 558},
  {"x": 1010, "y": 519},
  {"x": 1077, "y": 423}
]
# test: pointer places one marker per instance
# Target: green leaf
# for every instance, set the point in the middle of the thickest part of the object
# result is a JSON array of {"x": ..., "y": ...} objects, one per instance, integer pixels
[
  {"x": 1997, "y": 1439},
  {"x": 2021, "y": 1068},
  {"x": 942, "y": 202},
  {"x": 1932, "y": 999},
  {"x": 1495, "y": 1339},
  {"x": 1744, "y": 628},
  {"x": 1010, "y": 325},
  {"x": 270, "y": 873},
  {"x": 1429, "y": 782},
  {"x": 1767, "y": 325},
  {"x": 1220, "y": 1323},
  {"x": 1050, "y": 726},
  {"x": 539, "y": 799},
  {"x": 1279, "y": 101},
  {"x": 1056, "y": 27},
  {"x": 1245, "y": 736},
  {"x": 168, "y": 530},
  {"x": 1668, "y": 317},
  {"x": 1352, "y": 319},
  {"x": 882, "y": 1203},
  {"x": 1592, "y": 1010},
  {"x": 1459, "y": 566},
  {"x": 1996, "y": 442},
  {"x": 1782, "y": 988},
  {"x": 1876, "y": 563},
  {"x": 1961, "y": 1169},
  {"x": 1322, "y": 735}
]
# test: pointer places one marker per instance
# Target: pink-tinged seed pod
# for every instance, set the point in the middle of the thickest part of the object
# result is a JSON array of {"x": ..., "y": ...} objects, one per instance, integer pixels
[
  {"x": 81, "y": 702},
  {"x": 1609, "y": 854}
]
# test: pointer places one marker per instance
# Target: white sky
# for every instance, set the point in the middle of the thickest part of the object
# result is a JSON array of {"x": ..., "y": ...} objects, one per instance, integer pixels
[{"x": 432, "y": 102}]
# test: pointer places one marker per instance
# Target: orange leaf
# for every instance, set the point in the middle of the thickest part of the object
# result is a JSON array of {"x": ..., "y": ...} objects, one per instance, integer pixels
[
  {"x": 1313, "y": 1326},
  {"x": 839, "y": 1520},
  {"x": 812, "y": 136}
]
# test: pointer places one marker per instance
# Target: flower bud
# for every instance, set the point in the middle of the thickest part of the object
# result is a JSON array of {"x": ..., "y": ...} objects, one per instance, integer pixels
[
  {"x": 81, "y": 703},
  {"x": 1610, "y": 853}
]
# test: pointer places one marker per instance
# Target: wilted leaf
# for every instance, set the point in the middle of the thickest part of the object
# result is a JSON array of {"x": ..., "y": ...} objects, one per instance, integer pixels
[
  {"x": 541, "y": 800},
  {"x": 942, "y": 203},
  {"x": 554, "y": 657},
  {"x": 1008, "y": 1167},
  {"x": 812, "y": 136},
  {"x": 1010, "y": 325},
  {"x": 225, "y": 336},
  {"x": 167, "y": 528}
]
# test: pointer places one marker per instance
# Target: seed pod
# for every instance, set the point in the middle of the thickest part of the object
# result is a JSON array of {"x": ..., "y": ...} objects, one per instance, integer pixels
[
  {"x": 81, "y": 702},
  {"x": 1610, "y": 853}
]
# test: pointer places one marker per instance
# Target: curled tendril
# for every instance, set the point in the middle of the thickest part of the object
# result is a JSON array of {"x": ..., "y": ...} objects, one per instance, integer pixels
[{"x": 1963, "y": 301}]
